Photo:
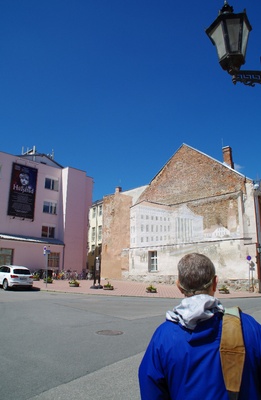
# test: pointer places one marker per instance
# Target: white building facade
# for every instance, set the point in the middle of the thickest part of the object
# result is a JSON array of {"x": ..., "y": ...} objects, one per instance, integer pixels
[{"x": 95, "y": 234}]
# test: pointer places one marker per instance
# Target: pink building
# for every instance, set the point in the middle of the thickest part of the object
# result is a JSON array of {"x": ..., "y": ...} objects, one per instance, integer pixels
[{"x": 43, "y": 209}]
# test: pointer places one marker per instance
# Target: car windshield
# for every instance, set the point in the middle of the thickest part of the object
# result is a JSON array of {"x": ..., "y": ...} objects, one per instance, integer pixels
[{"x": 19, "y": 271}]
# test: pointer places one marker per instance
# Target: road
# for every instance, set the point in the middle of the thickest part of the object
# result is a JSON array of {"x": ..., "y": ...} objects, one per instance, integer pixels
[{"x": 75, "y": 346}]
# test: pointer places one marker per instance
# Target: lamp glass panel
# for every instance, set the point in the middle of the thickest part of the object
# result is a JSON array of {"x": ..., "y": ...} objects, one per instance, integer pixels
[
  {"x": 233, "y": 29},
  {"x": 218, "y": 38},
  {"x": 245, "y": 38}
]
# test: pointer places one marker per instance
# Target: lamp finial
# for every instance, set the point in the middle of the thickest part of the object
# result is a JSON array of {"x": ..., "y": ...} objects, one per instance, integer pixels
[{"x": 226, "y": 8}]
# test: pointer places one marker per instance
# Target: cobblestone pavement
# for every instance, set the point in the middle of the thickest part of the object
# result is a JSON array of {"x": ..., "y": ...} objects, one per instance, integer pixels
[{"x": 129, "y": 288}]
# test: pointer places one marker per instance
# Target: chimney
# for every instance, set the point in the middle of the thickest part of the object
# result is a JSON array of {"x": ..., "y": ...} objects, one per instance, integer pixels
[
  {"x": 227, "y": 156},
  {"x": 118, "y": 189}
]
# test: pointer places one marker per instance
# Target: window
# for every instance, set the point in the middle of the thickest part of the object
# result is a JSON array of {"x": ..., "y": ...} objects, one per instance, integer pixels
[
  {"x": 94, "y": 212},
  {"x": 5, "y": 269},
  {"x": 48, "y": 231},
  {"x": 6, "y": 256},
  {"x": 99, "y": 233},
  {"x": 19, "y": 271},
  {"x": 54, "y": 260},
  {"x": 93, "y": 234},
  {"x": 49, "y": 207},
  {"x": 153, "y": 261},
  {"x": 51, "y": 184},
  {"x": 100, "y": 210}
]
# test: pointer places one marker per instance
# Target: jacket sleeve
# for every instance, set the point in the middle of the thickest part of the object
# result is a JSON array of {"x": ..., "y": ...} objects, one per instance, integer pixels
[{"x": 153, "y": 385}]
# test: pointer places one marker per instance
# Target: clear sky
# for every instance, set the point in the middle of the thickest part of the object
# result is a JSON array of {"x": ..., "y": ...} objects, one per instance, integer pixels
[{"x": 114, "y": 87}]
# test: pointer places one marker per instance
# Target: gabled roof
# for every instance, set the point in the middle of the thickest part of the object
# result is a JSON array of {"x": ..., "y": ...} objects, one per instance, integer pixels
[
  {"x": 190, "y": 175},
  {"x": 206, "y": 155}
]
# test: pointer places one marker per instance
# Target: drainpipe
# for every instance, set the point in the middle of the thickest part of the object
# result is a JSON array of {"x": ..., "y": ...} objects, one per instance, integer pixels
[{"x": 258, "y": 229}]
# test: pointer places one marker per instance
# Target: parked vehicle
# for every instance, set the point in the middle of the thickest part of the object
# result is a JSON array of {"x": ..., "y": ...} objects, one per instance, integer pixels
[{"x": 15, "y": 275}]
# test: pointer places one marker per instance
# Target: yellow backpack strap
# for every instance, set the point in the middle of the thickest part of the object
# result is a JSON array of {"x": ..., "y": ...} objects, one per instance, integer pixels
[{"x": 232, "y": 351}]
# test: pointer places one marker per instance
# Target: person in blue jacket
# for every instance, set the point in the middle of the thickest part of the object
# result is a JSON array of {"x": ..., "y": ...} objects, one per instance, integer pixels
[{"x": 182, "y": 361}]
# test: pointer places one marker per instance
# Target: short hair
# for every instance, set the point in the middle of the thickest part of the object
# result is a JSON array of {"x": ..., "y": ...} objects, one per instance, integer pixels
[{"x": 195, "y": 273}]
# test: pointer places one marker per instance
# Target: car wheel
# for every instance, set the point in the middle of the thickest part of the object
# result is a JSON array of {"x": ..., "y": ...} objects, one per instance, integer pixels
[{"x": 5, "y": 284}]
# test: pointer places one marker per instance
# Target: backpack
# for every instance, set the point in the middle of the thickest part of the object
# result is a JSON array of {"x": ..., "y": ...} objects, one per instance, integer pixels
[{"x": 232, "y": 351}]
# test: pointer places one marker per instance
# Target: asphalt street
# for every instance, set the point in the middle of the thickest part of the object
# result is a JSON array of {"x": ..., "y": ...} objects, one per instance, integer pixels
[{"x": 79, "y": 346}]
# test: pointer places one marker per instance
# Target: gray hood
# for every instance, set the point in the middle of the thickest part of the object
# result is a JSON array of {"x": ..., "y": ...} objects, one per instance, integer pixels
[{"x": 195, "y": 309}]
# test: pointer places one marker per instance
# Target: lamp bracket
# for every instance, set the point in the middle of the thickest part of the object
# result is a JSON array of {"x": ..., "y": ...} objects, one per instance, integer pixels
[{"x": 249, "y": 78}]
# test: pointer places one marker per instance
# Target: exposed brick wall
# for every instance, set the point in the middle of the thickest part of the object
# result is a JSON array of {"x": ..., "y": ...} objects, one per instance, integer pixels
[
  {"x": 116, "y": 234},
  {"x": 191, "y": 175},
  {"x": 218, "y": 211}
]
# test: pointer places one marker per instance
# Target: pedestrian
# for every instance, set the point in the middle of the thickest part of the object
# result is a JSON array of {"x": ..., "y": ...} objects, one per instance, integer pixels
[{"x": 182, "y": 361}]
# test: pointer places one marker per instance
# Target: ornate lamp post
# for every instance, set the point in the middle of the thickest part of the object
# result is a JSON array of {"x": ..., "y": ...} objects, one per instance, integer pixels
[{"x": 229, "y": 33}]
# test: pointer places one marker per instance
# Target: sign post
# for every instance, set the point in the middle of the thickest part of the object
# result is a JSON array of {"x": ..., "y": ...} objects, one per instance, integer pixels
[
  {"x": 45, "y": 253},
  {"x": 251, "y": 271}
]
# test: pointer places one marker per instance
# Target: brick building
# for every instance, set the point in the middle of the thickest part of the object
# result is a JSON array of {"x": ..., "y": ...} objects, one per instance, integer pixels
[
  {"x": 194, "y": 203},
  {"x": 116, "y": 231}
]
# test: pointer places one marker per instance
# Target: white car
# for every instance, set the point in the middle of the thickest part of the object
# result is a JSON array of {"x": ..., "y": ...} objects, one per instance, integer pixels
[{"x": 15, "y": 275}]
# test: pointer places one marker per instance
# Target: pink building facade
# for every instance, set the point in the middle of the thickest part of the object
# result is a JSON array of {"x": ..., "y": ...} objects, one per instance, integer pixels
[{"x": 43, "y": 213}]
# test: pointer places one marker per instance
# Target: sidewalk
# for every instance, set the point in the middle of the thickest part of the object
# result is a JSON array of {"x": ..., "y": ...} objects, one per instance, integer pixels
[{"x": 129, "y": 289}]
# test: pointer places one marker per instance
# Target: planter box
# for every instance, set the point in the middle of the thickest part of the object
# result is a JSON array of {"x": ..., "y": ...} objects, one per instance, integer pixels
[
  {"x": 108, "y": 288},
  {"x": 74, "y": 284}
]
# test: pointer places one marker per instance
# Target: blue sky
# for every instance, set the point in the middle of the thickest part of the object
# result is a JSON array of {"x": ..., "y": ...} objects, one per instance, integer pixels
[{"x": 115, "y": 87}]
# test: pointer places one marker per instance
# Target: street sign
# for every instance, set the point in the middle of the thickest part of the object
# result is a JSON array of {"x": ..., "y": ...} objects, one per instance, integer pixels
[{"x": 46, "y": 251}]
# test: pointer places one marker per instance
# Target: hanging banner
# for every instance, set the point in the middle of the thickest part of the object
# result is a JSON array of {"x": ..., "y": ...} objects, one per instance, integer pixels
[{"x": 22, "y": 191}]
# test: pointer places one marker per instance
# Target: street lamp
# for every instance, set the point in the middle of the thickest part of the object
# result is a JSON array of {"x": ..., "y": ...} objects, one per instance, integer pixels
[{"x": 229, "y": 33}]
